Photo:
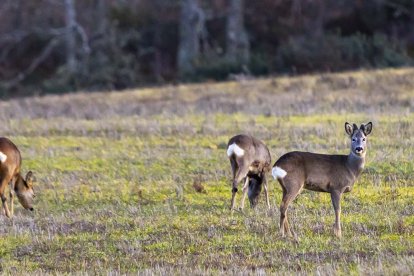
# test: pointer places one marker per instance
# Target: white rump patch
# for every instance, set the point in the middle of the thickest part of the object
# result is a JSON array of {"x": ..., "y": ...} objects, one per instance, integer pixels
[
  {"x": 234, "y": 148},
  {"x": 3, "y": 157},
  {"x": 278, "y": 172}
]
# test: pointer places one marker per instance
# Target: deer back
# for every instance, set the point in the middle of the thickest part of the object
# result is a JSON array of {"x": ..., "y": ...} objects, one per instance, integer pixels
[{"x": 250, "y": 151}]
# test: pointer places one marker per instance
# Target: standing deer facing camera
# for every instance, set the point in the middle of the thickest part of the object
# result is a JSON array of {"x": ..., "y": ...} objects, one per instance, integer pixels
[
  {"x": 10, "y": 161},
  {"x": 250, "y": 160},
  {"x": 334, "y": 174}
]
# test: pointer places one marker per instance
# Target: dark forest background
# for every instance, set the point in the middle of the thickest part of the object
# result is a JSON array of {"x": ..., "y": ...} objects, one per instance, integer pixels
[{"x": 54, "y": 46}]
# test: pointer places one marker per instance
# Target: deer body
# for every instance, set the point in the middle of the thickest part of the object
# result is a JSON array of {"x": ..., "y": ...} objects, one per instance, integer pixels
[
  {"x": 10, "y": 162},
  {"x": 322, "y": 172},
  {"x": 334, "y": 174},
  {"x": 250, "y": 160}
]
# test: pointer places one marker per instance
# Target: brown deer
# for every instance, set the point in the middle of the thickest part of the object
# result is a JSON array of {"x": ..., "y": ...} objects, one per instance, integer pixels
[
  {"x": 334, "y": 174},
  {"x": 250, "y": 160},
  {"x": 10, "y": 162}
]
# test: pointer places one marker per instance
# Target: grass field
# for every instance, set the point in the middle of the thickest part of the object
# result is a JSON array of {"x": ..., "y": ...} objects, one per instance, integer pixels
[{"x": 115, "y": 175}]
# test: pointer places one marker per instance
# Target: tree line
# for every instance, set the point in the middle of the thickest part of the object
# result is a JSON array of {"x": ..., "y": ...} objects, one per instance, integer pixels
[{"x": 52, "y": 46}]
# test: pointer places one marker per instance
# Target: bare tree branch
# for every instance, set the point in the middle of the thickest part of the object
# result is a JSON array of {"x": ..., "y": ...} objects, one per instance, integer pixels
[
  {"x": 69, "y": 31},
  {"x": 17, "y": 36},
  {"x": 84, "y": 37},
  {"x": 35, "y": 63}
]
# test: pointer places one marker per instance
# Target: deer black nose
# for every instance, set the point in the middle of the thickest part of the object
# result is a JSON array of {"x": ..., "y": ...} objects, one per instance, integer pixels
[
  {"x": 31, "y": 209},
  {"x": 359, "y": 149}
]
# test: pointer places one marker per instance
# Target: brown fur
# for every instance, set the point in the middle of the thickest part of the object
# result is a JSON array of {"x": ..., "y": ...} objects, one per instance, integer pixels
[
  {"x": 10, "y": 174},
  {"x": 255, "y": 162}
]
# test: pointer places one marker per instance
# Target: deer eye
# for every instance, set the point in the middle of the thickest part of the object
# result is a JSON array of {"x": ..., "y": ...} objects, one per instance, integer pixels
[{"x": 353, "y": 139}]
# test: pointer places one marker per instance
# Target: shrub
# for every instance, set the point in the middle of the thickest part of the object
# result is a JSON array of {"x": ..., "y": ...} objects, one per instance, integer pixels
[
  {"x": 332, "y": 52},
  {"x": 220, "y": 68}
]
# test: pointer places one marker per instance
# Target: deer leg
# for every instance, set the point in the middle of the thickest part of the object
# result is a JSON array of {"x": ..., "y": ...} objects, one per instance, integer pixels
[
  {"x": 284, "y": 222},
  {"x": 4, "y": 202},
  {"x": 3, "y": 185},
  {"x": 233, "y": 197},
  {"x": 336, "y": 202},
  {"x": 245, "y": 188},
  {"x": 11, "y": 195},
  {"x": 234, "y": 168},
  {"x": 266, "y": 192},
  {"x": 288, "y": 197},
  {"x": 282, "y": 213},
  {"x": 240, "y": 174}
]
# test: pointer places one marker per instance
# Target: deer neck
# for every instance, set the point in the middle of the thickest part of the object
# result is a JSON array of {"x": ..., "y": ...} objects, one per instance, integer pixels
[{"x": 355, "y": 163}]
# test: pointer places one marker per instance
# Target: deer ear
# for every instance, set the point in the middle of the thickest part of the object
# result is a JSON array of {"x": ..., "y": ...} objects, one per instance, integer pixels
[
  {"x": 30, "y": 178},
  {"x": 348, "y": 129},
  {"x": 367, "y": 128}
]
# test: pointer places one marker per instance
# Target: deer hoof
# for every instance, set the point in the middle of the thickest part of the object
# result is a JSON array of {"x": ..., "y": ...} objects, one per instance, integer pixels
[{"x": 337, "y": 232}]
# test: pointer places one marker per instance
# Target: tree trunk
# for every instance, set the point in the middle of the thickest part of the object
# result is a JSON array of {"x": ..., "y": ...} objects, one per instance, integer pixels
[
  {"x": 70, "y": 18},
  {"x": 319, "y": 21},
  {"x": 102, "y": 21},
  {"x": 237, "y": 42},
  {"x": 191, "y": 25}
]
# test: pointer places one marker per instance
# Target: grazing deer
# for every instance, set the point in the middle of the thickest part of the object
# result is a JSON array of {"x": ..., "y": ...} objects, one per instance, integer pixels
[
  {"x": 254, "y": 189},
  {"x": 250, "y": 160},
  {"x": 334, "y": 174},
  {"x": 10, "y": 161}
]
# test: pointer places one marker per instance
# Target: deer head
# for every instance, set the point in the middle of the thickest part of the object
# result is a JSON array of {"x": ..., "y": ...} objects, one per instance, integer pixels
[
  {"x": 358, "y": 137},
  {"x": 24, "y": 190}
]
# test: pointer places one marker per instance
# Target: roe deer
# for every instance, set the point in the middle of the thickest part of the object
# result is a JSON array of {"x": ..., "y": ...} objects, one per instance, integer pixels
[
  {"x": 334, "y": 174},
  {"x": 10, "y": 162},
  {"x": 250, "y": 160}
]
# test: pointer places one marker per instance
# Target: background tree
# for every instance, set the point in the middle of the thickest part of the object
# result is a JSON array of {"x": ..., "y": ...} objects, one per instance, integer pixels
[
  {"x": 237, "y": 42},
  {"x": 53, "y": 46},
  {"x": 70, "y": 38},
  {"x": 191, "y": 25}
]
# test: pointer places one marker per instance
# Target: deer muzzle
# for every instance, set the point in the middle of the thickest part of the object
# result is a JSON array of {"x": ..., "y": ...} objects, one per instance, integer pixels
[{"x": 359, "y": 150}]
